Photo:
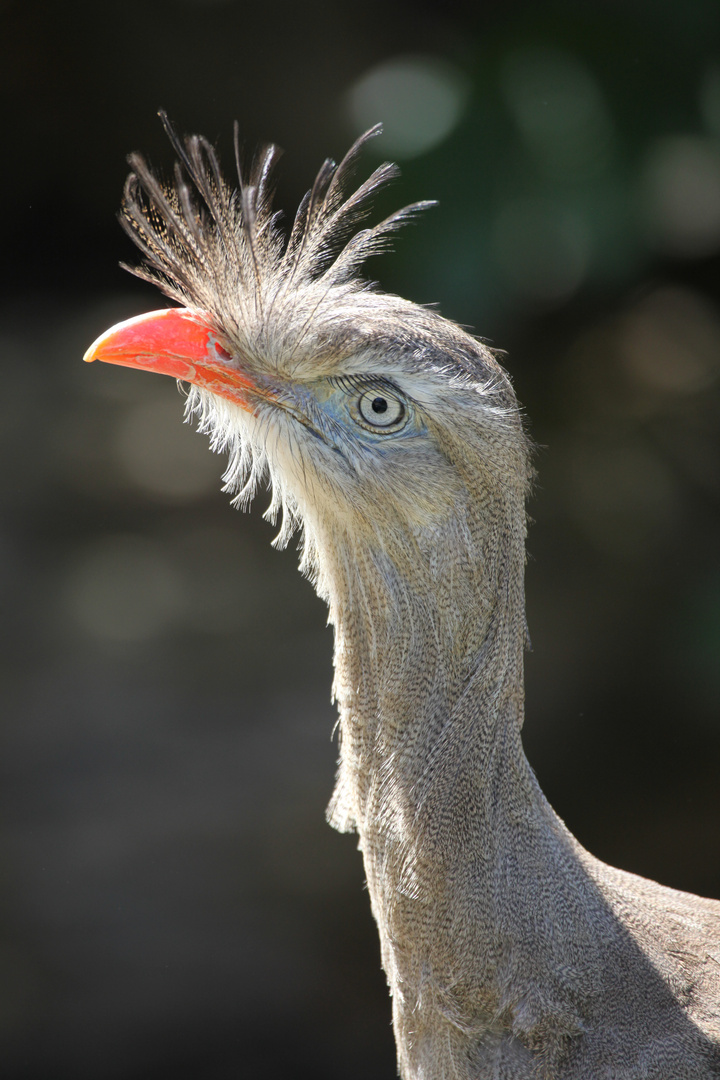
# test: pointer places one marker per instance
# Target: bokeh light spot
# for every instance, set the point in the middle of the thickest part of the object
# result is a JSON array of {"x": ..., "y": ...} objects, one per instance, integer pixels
[
  {"x": 680, "y": 195},
  {"x": 419, "y": 101},
  {"x": 671, "y": 342}
]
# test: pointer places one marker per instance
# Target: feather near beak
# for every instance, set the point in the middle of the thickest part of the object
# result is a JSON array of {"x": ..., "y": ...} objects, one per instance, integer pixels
[{"x": 394, "y": 440}]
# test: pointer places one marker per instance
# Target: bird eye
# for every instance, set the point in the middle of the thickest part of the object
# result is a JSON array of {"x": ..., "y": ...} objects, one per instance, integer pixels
[{"x": 382, "y": 410}]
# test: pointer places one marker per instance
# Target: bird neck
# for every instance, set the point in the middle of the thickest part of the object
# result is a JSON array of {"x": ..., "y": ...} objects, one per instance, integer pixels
[
  {"x": 457, "y": 837},
  {"x": 429, "y": 639}
]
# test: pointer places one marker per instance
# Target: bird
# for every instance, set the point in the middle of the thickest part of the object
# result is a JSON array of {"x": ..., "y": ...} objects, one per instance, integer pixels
[{"x": 393, "y": 445}]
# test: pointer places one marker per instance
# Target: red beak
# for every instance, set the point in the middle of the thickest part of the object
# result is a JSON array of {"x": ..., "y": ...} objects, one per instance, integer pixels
[{"x": 178, "y": 342}]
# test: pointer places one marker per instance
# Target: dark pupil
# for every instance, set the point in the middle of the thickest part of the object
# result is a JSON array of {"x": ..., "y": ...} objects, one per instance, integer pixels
[{"x": 379, "y": 405}]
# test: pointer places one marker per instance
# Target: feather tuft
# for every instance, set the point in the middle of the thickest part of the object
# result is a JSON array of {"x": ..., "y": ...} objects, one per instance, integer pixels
[{"x": 209, "y": 245}]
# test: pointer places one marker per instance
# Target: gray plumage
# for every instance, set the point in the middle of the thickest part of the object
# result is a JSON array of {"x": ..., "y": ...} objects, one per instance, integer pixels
[{"x": 510, "y": 951}]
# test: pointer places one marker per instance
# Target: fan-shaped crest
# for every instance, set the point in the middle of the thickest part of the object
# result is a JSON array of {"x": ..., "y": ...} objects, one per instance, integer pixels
[{"x": 221, "y": 249}]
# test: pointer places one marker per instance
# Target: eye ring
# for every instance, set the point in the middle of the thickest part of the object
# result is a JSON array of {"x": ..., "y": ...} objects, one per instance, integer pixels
[{"x": 382, "y": 410}]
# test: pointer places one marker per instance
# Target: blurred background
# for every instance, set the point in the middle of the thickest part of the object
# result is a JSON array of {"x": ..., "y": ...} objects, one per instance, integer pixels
[{"x": 171, "y": 900}]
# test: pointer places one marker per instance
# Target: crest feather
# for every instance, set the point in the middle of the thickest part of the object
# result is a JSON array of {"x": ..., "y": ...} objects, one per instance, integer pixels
[{"x": 209, "y": 245}]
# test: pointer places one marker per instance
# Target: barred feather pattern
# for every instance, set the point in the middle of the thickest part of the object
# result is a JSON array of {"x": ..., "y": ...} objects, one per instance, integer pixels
[{"x": 511, "y": 953}]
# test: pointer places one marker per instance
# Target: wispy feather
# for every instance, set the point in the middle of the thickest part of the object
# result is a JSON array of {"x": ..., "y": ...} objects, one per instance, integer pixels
[{"x": 222, "y": 249}]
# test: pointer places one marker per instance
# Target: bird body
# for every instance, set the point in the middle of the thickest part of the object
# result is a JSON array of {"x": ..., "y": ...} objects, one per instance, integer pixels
[{"x": 393, "y": 440}]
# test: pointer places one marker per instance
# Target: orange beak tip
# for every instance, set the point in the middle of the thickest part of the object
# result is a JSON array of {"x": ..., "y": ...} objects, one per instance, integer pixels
[
  {"x": 145, "y": 340},
  {"x": 175, "y": 341}
]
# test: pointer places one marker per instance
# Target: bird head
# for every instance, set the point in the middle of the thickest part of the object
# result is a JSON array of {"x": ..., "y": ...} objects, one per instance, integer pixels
[{"x": 387, "y": 433}]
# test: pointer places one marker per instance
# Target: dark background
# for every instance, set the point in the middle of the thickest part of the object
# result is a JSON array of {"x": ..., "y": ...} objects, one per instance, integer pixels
[{"x": 171, "y": 900}]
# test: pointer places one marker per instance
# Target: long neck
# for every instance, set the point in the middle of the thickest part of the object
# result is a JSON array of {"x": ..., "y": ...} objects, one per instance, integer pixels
[
  {"x": 455, "y": 832},
  {"x": 429, "y": 641}
]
